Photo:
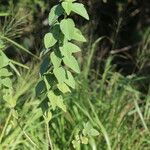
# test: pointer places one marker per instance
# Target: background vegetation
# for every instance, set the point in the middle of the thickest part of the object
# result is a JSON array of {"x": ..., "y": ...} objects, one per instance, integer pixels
[{"x": 113, "y": 90}]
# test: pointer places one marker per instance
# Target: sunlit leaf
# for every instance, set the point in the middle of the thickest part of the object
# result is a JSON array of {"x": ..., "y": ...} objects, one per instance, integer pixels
[
  {"x": 67, "y": 27},
  {"x": 72, "y": 63},
  {"x": 49, "y": 40},
  {"x": 80, "y": 10}
]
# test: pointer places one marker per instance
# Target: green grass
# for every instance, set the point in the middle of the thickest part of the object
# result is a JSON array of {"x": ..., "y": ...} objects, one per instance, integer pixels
[{"x": 111, "y": 104}]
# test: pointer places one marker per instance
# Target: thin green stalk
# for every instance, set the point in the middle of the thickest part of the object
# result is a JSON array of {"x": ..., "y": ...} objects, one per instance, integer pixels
[
  {"x": 140, "y": 114},
  {"x": 5, "y": 126},
  {"x": 19, "y": 64},
  {"x": 18, "y": 46},
  {"x": 50, "y": 145}
]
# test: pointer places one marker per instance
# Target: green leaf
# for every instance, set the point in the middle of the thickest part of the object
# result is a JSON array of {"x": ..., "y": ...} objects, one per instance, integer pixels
[
  {"x": 76, "y": 143},
  {"x": 56, "y": 59},
  {"x": 84, "y": 140},
  {"x": 89, "y": 130},
  {"x": 70, "y": 80},
  {"x": 7, "y": 82},
  {"x": 47, "y": 116},
  {"x": 56, "y": 101},
  {"x": 80, "y": 10},
  {"x": 77, "y": 35},
  {"x": 40, "y": 87},
  {"x": 4, "y": 61},
  {"x": 69, "y": 48},
  {"x": 67, "y": 27},
  {"x": 61, "y": 104},
  {"x": 53, "y": 99},
  {"x": 45, "y": 65},
  {"x": 55, "y": 12},
  {"x": 67, "y": 7},
  {"x": 2, "y": 45},
  {"x": 63, "y": 88},
  {"x": 60, "y": 74},
  {"x": 49, "y": 40},
  {"x": 48, "y": 86},
  {"x": 72, "y": 63},
  {"x": 56, "y": 31},
  {"x": 93, "y": 132},
  {"x": 5, "y": 73}
]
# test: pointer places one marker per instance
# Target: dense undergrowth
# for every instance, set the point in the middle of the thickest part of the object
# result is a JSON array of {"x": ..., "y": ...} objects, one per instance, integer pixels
[
  {"x": 113, "y": 106},
  {"x": 111, "y": 102}
]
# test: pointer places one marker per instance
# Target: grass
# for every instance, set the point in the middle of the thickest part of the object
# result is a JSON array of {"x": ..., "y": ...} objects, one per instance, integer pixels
[{"x": 111, "y": 104}]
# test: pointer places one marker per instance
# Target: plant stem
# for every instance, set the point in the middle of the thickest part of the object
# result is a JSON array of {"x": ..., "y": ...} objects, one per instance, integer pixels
[
  {"x": 50, "y": 145},
  {"x": 5, "y": 126}
]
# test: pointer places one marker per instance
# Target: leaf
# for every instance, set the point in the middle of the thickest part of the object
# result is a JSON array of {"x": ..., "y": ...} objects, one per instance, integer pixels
[
  {"x": 72, "y": 63},
  {"x": 93, "y": 132},
  {"x": 67, "y": 27},
  {"x": 77, "y": 35},
  {"x": 7, "y": 82},
  {"x": 89, "y": 130},
  {"x": 49, "y": 40},
  {"x": 63, "y": 88},
  {"x": 55, "y": 12},
  {"x": 53, "y": 99},
  {"x": 80, "y": 10},
  {"x": 2, "y": 45},
  {"x": 70, "y": 80},
  {"x": 69, "y": 48},
  {"x": 44, "y": 66},
  {"x": 67, "y": 6},
  {"x": 48, "y": 86},
  {"x": 56, "y": 31},
  {"x": 56, "y": 59},
  {"x": 60, "y": 74},
  {"x": 4, "y": 61},
  {"x": 5, "y": 73},
  {"x": 84, "y": 140},
  {"x": 76, "y": 143},
  {"x": 8, "y": 94},
  {"x": 61, "y": 104},
  {"x": 56, "y": 100},
  {"x": 40, "y": 87},
  {"x": 47, "y": 116}
]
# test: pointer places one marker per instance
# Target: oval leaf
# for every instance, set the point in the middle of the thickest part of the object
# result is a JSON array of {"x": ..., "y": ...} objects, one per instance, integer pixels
[
  {"x": 72, "y": 63},
  {"x": 70, "y": 80},
  {"x": 60, "y": 74},
  {"x": 56, "y": 59},
  {"x": 78, "y": 36},
  {"x": 49, "y": 40},
  {"x": 55, "y": 12},
  {"x": 80, "y": 10},
  {"x": 67, "y": 7},
  {"x": 63, "y": 88},
  {"x": 67, "y": 27}
]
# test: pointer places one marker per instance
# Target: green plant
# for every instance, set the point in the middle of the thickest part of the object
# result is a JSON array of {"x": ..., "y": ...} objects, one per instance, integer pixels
[{"x": 56, "y": 69}]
